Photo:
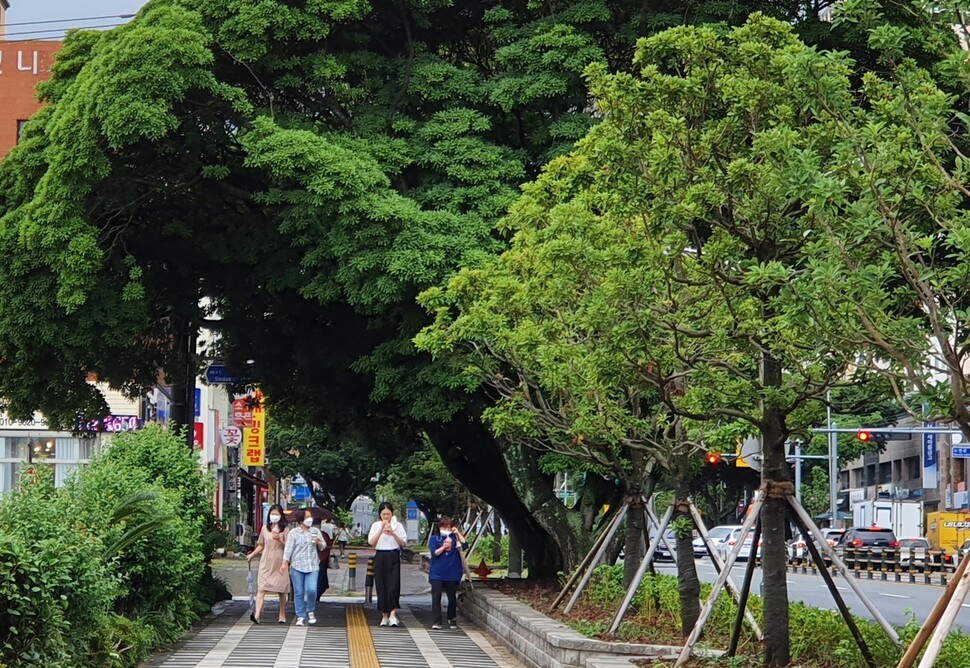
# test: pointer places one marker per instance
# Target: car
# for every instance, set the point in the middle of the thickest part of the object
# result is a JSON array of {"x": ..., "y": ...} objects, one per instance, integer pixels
[
  {"x": 873, "y": 540},
  {"x": 717, "y": 534},
  {"x": 912, "y": 552},
  {"x": 797, "y": 549},
  {"x": 728, "y": 542},
  {"x": 662, "y": 553}
]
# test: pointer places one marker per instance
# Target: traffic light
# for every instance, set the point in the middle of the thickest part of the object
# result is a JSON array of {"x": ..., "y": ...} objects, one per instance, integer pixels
[
  {"x": 713, "y": 458},
  {"x": 880, "y": 437}
]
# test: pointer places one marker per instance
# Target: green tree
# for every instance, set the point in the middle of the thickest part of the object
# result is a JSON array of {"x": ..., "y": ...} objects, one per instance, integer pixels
[
  {"x": 287, "y": 167},
  {"x": 678, "y": 208},
  {"x": 424, "y": 478}
]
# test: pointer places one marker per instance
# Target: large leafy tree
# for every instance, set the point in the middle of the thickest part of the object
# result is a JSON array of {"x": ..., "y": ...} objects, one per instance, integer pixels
[
  {"x": 678, "y": 209},
  {"x": 295, "y": 165}
]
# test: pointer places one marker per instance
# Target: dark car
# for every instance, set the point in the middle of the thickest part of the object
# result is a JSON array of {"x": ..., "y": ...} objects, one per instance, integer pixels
[{"x": 872, "y": 539}]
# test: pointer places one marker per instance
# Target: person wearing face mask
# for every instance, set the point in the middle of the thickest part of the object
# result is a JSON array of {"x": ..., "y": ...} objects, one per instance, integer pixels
[
  {"x": 270, "y": 580},
  {"x": 446, "y": 569},
  {"x": 301, "y": 558},
  {"x": 387, "y": 536}
]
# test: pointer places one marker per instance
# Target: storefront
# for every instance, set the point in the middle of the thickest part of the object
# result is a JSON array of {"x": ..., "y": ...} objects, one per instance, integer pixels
[{"x": 63, "y": 451}]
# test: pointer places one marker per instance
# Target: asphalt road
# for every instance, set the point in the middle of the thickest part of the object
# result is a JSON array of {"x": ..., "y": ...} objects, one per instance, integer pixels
[{"x": 897, "y": 601}]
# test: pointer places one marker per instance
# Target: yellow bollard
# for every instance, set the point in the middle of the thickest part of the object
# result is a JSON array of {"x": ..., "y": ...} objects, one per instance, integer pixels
[{"x": 352, "y": 572}]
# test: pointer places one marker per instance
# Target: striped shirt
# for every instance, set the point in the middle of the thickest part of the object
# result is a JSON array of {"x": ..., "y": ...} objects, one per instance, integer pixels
[{"x": 301, "y": 551}]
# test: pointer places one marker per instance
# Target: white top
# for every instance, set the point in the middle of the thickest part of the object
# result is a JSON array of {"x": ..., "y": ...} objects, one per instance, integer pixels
[
  {"x": 387, "y": 542},
  {"x": 328, "y": 528}
]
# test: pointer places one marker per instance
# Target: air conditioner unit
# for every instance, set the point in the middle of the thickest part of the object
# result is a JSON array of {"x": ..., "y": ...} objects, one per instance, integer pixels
[{"x": 901, "y": 493}]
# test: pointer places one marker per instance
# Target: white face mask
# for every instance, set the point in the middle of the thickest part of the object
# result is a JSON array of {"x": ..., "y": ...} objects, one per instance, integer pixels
[
  {"x": 274, "y": 518},
  {"x": 445, "y": 533},
  {"x": 308, "y": 522}
]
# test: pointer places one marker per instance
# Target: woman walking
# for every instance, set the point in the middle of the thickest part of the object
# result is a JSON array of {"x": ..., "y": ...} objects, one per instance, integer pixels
[
  {"x": 343, "y": 537},
  {"x": 387, "y": 536},
  {"x": 300, "y": 557},
  {"x": 446, "y": 570},
  {"x": 270, "y": 579}
]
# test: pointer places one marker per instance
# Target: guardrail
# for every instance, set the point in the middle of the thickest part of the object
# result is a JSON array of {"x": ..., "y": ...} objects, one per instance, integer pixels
[{"x": 884, "y": 563}]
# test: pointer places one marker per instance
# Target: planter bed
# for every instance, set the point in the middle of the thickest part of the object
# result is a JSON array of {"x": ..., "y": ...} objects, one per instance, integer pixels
[{"x": 539, "y": 641}]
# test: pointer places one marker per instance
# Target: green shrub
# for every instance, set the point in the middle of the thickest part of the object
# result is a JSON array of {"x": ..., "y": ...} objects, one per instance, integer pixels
[
  {"x": 160, "y": 572},
  {"x": 55, "y": 584}
]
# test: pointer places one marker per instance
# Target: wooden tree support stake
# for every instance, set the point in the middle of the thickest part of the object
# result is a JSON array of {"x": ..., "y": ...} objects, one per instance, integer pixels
[
  {"x": 753, "y": 513},
  {"x": 632, "y": 589},
  {"x": 947, "y": 619},
  {"x": 719, "y": 566},
  {"x": 806, "y": 521},
  {"x": 933, "y": 619},
  {"x": 839, "y": 601},
  {"x": 745, "y": 589},
  {"x": 586, "y": 567}
]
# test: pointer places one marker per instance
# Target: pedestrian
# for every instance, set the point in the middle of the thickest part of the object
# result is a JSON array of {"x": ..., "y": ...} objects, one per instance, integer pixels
[
  {"x": 343, "y": 537},
  {"x": 271, "y": 580},
  {"x": 446, "y": 569},
  {"x": 301, "y": 558},
  {"x": 323, "y": 581},
  {"x": 328, "y": 528},
  {"x": 387, "y": 536}
]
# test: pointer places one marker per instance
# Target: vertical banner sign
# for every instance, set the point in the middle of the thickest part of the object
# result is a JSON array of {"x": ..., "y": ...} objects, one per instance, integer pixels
[
  {"x": 254, "y": 438},
  {"x": 198, "y": 435},
  {"x": 233, "y": 475},
  {"x": 931, "y": 478}
]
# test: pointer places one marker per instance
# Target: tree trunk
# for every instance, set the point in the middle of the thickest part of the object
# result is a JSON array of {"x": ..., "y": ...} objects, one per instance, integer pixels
[
  {"x": 181, "y": 375},
  {"x": 776, "y": 484},
  {"x": 535, "y": 489},
  {"x": 497, "y": 543},
  {"x": 472, "y": 455},
  {"x": 633, "y": 550},
  {"x": 688, "y": 584}
]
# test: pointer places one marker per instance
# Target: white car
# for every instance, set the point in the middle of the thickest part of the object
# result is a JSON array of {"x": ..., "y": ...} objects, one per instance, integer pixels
[
  {"x": 727, "y": 544},
  {"x": 797, "y": 549},
  {"x": 717, "y": 534}
]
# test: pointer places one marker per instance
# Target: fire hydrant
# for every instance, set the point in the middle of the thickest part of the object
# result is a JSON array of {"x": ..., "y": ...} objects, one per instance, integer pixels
[{"x": 483, "y": 571}]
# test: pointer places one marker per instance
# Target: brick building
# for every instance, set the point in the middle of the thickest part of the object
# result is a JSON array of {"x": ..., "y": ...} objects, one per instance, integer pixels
[{"x": 23, "y": 64}]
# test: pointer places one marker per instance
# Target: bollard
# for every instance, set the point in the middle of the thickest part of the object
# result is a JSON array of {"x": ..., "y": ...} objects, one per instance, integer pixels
[
  {"x": 369, "y": 580},
  {"x": 352, "y": 572}
]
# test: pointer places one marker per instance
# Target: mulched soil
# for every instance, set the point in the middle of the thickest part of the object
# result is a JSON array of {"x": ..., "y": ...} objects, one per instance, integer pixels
[{"x": 590, "y": 619}]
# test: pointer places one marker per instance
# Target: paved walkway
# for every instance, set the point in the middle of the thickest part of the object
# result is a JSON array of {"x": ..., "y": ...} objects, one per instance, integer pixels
[{"x": 346, "y": 635}]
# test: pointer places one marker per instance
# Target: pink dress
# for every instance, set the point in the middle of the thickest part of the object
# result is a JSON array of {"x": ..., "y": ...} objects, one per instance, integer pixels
[{"x": 270, "y": 579}]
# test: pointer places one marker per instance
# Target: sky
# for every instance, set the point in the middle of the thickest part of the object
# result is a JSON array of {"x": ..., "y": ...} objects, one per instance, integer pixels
[{"x": 69, "y": 14}]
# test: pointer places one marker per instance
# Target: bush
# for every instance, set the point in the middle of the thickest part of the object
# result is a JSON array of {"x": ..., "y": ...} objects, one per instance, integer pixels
[
  {"x": 56, "y": 586},
  {"x": 161, "y": 570},
  {"x": 102, "y": 571}
]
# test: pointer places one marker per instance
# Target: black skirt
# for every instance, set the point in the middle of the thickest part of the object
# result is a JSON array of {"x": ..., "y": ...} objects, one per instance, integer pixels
[{"x": 387, "y": 579}]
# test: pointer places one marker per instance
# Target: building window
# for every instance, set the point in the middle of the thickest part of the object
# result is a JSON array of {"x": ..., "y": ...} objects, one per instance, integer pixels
[{"x": 20, "y": 129}]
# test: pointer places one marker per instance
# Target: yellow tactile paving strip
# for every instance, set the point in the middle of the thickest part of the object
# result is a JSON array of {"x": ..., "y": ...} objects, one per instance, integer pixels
[{"x": 363, "y": 654}]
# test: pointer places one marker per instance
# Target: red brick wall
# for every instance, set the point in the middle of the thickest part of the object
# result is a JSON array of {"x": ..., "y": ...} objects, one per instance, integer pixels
[{"x": 22, "y": 66}]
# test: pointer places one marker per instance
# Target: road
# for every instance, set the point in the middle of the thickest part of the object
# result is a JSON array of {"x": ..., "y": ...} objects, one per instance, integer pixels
[{"x": 897, "y": 601}]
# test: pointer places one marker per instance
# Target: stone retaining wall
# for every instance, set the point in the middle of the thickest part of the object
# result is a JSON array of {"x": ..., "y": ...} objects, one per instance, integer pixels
[{"x": 541, "y": 642}]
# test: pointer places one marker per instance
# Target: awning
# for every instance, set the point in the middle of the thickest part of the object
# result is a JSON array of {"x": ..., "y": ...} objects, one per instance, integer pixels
[{"x": 250, "y": 478}]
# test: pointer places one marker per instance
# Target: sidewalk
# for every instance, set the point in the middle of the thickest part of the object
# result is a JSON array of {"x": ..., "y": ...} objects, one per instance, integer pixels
[{"x": 346, "y": 634}]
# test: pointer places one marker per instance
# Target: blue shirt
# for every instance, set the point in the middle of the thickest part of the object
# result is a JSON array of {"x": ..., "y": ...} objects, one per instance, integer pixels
[{"x": 445, "y": 567}]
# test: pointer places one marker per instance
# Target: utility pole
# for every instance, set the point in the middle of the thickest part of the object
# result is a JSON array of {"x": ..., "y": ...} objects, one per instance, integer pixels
[{"x": 833, "y": 462}]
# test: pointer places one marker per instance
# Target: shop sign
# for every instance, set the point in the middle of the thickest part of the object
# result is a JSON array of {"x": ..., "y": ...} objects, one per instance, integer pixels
[{"x": 254, "y": 438}]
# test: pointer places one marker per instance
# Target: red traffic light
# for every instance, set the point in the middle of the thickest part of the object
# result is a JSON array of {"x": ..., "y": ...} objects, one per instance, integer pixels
[
  {"x": 863, "y": 435},
  {"x": 713, "y": 458}
]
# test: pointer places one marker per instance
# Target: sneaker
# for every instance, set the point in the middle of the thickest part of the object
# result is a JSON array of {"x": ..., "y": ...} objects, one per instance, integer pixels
[
  {"x": 299, "y": 621},
  {"x": 383, "y": 621},
  {"x": 436, "y": 627},
  {"x": 393, "y": 622},
  {"x": 452, "y": 623},
  {"x": 312, "y": 618}
]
